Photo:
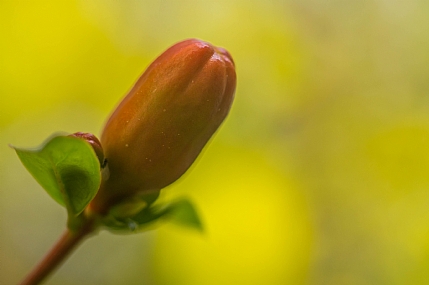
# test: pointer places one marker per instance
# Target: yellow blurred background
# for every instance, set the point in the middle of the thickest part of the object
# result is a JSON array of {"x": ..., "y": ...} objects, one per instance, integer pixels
[{"x": 320, "y": 175}]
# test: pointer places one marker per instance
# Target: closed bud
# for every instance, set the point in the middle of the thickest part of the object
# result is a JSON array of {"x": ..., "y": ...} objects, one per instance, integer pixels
[{"x": 161, "y": 126}]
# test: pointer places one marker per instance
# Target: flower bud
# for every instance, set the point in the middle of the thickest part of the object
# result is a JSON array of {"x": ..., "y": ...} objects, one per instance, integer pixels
[{"x": 161, "y": 126}]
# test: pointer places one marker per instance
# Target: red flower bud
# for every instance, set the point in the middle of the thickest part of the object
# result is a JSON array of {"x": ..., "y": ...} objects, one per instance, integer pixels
[{"x": 161, "y": 126}]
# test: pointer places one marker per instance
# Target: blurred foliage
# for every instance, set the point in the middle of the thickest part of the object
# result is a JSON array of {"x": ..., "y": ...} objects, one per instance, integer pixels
[{"x": 318, "y": 176}]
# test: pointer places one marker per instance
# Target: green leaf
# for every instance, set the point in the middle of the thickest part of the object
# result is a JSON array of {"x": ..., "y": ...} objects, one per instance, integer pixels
[
  {"x": 180, "y": 212},
  {"x": 128, "y": 208},
  {"x": 67, "y": 168},
  {"x": 183, "y": 213}
]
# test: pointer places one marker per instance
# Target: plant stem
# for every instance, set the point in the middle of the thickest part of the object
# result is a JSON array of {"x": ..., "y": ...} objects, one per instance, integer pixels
[{"x": 58, "y": 253}]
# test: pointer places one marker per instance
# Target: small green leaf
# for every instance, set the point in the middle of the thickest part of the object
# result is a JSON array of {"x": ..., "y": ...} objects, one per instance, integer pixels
[
  {"x": 183, "y": 213},
  {"x": 180, "y": 212},
  {"x": 67, "y": 168},
  {"x": 128, "y": 208}
]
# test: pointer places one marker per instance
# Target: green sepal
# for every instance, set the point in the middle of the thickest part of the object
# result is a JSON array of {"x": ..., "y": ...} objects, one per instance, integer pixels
[
  {"x": 67, "y": 168},
  {"x": 128, "y": 208},
  {"x": 183, "y": 213},
  {"x": 180, "y": 212}
]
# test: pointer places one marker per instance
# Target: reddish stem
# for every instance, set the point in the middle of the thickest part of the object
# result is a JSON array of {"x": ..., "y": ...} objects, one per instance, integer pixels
[{"x": 57, "y": 254}]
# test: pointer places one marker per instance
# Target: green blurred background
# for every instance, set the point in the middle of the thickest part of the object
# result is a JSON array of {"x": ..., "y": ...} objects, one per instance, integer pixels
[{"x": 320, "y": 175}]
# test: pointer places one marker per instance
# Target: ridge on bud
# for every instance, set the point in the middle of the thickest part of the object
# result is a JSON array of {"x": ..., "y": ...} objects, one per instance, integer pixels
[{"x": 163, "y": 123}]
